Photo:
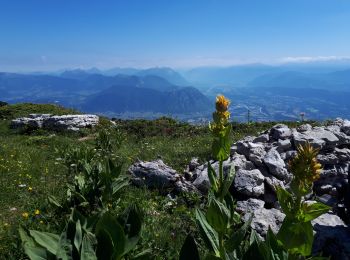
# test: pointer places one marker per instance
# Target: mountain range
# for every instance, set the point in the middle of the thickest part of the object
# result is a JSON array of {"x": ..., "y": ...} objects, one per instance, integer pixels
[
  {"x": 280, "y": 92},
  {"x": 145, "y": 92}
]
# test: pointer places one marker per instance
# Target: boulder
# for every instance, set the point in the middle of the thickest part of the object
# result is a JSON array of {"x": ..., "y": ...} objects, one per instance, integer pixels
[
  {"x": 155, "y": 174},
  {"x": 256, "y": 155},
  {"x": 56, "y": 123},
  {"x": 345, "y": 128},
  {"x": 283, "y": 145},
  {"x": 318, "y": 137},
  {"x": 332, "y": 237},
  {"x": 265, "y": 218},
  {"x": 249, "y": 206},
  {"x": 263, "y": 138},
  {"x": 276, "y": 165},
  {"x": 280, "y": 131},
  {"x": 249, "y": 183},
  {"x": 327, "y": 159}
]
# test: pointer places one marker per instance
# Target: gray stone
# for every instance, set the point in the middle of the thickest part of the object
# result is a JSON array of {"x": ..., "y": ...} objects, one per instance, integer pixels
[
  {"x": 153, "y": 174},
  {"x": 202, "y": 182},
  {"x": 233, "y": 149},
  {"x": 56, "y": 123},
  {"x": 318, "y": 137},
  {"x": 263, "y": 138},
  {"x": 343, "y": 154},
  {"x": 345, "y": 128},
  {"x": 332, "y": 237},
  {"x": 240, "y": 162},
  {"x": 182, "y": 186},
  {"x": 276, "y": 165},
  {"x": 283, "y": 145},
  {"x": 249, "y": 206},
  {"x": 249, "y": 183},
  {"x": 280, "y": 131},
  {"x": 256, "y": 155},
  {"x": 290, "y": 154},
  {"x": 265, "y": 218},
  {"x": 304, "y": 128},
  {"x": 193, "y": 164},
  {"x": 243, "y": 148},
  {"x": 326, "y": 159}
]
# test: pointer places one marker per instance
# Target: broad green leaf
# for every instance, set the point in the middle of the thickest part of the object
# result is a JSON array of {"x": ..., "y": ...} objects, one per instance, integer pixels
[
  {"x": 212, "y": 178},
  {"x": 31, "y": 248},
  {"x": 25, "y": 237},
  {"x": 209, "y": 235},
  {"x": 286, "y": 201},
  {"x": 119, "y": 184},
  {"x": 228, "y": 181},
  {"x": 105, "y": 246},
  {"x": 110, "y": 225},
  {"x": 132, "y": 222},
  {"x": 189, "y": 249},
  {"x": 312, "y": 211},
  {"x": 46, "y": 240},
  {"x": 87, "y": 247},
  {"x": 218, "y": 215},
  {"x": 78, "y": 235},
  {"x": 238, "y": 237},
  {"x": 35, "y": 252},
  {"x": 65, "y": 248},
  {"x": 53, "y": 201},
  {"x": 115, "y": 170},
  {"x": 297, "y": 237},
  {"x": 275, "y": 246}
]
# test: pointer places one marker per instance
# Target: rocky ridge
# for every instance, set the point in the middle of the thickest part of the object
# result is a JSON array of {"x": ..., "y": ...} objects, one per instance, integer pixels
[
  {"x": 261, "y": 163},
  {"x": 56, "y": 123}
]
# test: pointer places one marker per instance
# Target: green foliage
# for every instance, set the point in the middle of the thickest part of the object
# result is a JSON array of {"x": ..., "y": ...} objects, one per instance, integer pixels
[
  {"x": 296, "y": 233},
  {"x": 24, "y": 109},
  {"x": 31, "y": 160},
  {"x": 102, "y": 236}
]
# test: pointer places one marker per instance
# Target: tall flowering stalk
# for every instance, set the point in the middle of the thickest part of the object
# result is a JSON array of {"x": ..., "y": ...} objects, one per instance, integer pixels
[
  {"x": 218, "y": 223},
  {"x": 296, "y": 232},
  {"x": 221, "y": 130}
]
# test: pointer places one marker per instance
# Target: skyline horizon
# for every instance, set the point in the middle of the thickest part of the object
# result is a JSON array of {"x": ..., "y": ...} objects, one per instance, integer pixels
[{"x": 285, "y": 61}]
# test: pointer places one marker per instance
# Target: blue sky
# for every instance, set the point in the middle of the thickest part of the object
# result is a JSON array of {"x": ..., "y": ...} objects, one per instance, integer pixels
[{"x": 54, "y": 34}]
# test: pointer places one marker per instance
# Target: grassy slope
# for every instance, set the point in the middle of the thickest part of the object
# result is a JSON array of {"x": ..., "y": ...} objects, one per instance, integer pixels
[{"x": 31, "y": 160}]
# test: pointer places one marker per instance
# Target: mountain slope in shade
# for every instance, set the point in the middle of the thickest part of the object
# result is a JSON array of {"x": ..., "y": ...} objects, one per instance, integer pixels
[{"x": 119, "y": 99}]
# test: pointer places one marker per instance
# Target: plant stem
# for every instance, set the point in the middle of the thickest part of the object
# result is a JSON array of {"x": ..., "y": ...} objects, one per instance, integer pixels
[{"x": 221, "y": 180}]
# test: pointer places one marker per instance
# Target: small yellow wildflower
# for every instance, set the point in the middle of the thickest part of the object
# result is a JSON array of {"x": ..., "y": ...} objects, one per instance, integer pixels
[
  {"x": 37, "y": 212},
  {"x": 30, "y": 189},
  {"x": 25, "y": 214},
  {"x": 41, "y": 222}
]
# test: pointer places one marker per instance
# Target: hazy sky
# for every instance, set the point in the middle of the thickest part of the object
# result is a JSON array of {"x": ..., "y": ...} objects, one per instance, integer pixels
[{"x": 53, "y": 34}]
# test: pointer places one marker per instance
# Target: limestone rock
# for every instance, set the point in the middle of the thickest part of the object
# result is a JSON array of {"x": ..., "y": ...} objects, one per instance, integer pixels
[
  {"x": 276, "y": 165},
  {"x": 332, "y": 236},
  {"x": 155, "y": 174},
  {"x": 265, "y": 218},
  {"x": 56, "y": 123},
  {"x": 249, "y": 206},
  {"x": 249, "y": 183},
  {"x": 280, "y": 131}
]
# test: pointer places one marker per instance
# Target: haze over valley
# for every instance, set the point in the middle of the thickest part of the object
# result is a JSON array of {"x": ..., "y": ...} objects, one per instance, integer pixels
[{"x": 268, "y": 92}]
